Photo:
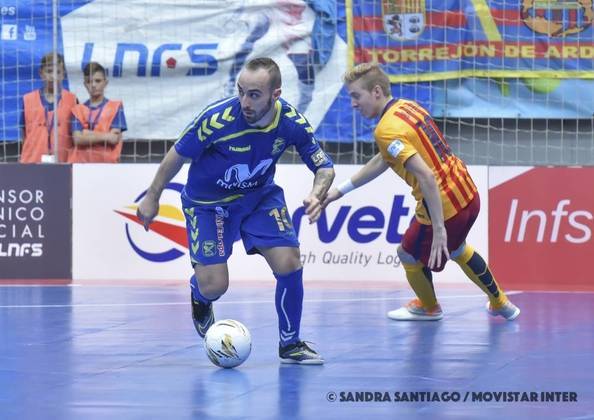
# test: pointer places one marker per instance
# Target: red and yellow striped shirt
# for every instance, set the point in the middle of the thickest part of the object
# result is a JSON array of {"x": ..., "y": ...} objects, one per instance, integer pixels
[{"x": 406, "y": 129}]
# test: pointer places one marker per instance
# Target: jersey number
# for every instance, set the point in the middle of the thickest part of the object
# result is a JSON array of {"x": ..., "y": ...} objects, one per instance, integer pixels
[
  {"x": 436, "y": 138},
  {"x": 281, "y": 219}
]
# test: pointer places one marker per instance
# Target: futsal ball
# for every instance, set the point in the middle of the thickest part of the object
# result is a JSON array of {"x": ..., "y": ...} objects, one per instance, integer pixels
[{"x": 228, "y": 343}]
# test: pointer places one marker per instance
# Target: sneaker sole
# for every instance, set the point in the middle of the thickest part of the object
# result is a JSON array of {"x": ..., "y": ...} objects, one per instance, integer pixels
[
  {"x": 494, "y": 313},
  {"x": 403, "y": 314},
  {"x": 302, "y": 362}
]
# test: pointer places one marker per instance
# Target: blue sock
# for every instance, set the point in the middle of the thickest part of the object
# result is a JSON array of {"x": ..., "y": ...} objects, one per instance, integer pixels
[
  {"x": 196, "y": 291},
  {"x": 289, "y": 302}
]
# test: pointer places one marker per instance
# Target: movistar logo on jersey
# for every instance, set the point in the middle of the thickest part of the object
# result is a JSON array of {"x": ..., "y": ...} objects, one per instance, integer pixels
[
  {"x": 240, "y": 175},
  {"x": 239, "y": 149}
]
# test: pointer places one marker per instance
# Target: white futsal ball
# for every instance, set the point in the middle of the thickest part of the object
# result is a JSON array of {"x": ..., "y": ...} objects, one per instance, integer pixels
[{"x": 228, "y": 343}]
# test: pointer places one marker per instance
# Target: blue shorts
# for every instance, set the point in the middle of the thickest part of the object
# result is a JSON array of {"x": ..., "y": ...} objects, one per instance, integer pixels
[{"x": 260, "y": 219}]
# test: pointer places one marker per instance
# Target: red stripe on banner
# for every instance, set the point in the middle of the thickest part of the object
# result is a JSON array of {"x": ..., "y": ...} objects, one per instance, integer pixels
[
  {"x": 447, "y": 19},
  {"x": 506, "y": 17},
  {"x": 173, "y": 232}
]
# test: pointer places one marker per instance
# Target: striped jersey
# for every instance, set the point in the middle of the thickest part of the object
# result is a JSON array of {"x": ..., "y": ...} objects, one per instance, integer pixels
[
  {"x": 230, "y": 158},
  {"x": 406, "y": 129}
]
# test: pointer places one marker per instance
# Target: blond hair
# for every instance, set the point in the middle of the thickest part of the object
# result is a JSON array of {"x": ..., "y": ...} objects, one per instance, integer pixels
[{"x": 372, "y": 76}]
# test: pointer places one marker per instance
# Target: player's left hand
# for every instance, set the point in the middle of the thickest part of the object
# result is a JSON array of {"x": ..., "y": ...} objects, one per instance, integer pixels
[
  {"x": 439, "y": 248},
  {"x": 313, "y": 208}
]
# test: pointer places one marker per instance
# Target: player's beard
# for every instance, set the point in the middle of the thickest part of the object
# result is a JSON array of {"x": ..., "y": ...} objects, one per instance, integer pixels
[{"x": 258, "y": 116}]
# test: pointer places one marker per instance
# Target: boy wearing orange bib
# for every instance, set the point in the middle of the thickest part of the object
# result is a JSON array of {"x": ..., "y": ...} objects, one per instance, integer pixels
[
  {"x": 97, "y": 125},
  {"x": 39, "y": 111}
]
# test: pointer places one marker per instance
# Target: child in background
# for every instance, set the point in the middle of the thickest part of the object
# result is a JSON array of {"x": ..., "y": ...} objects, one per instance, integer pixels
[
  {"x": 97, "y": 125},
  {"x": 38, "y": 116}
]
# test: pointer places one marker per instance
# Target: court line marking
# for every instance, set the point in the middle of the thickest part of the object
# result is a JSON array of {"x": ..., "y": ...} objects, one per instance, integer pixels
[{"x": 243, "y": 302}]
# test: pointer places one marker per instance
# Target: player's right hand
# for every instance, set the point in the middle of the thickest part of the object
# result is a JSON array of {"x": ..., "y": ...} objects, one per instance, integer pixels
[
  {"x": 332, "y": 195},
  {"x": 147, "y": 210}
]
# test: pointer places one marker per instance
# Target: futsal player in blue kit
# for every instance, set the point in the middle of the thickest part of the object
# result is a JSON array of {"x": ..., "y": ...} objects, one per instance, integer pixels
[{"x": 233, "y": 146}]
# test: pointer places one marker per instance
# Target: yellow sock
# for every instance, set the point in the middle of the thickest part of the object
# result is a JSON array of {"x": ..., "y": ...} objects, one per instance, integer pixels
[
  {"x": 420, "y": 279},
  {"x": 477, "y": 270}
]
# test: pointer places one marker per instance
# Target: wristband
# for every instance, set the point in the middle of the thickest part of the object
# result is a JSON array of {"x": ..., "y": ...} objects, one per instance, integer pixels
[{"x": 345, "y": 186}]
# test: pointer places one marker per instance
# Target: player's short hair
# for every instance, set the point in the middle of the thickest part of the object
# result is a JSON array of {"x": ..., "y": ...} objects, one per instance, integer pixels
[
  {"x": 372, "y": 76},
  {"x": 270, "y": 66},
  {"x": 48, "y": 60},
  {"x": 93, "y": 67}
]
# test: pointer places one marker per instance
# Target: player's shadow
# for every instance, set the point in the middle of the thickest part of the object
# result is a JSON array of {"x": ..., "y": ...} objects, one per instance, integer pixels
[
  {"x": 295, "y": 389},
  {"x": 419, "y": 349},
  {"x": 222, "y": 392},
  {"x": 453, "y": 354}
]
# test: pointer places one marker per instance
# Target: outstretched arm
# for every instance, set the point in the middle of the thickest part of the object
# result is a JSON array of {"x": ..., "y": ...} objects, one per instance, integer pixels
[
  {"x": 313, "y": 202},
  {"x": 372, "y": 169},
  {"x": 430, "y": 190},
  {"x": 149, "y": 206}
]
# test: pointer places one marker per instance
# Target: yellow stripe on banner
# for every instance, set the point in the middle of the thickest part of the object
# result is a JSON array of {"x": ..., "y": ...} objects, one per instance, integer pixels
[
  {"x": 489, "y": 26},
  {"x": 429, "y": 77},
  {"x": 350, "y": 34}
]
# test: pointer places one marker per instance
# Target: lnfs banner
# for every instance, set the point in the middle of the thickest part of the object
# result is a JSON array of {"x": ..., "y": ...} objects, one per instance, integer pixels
[{"x": 35, "y": 221}]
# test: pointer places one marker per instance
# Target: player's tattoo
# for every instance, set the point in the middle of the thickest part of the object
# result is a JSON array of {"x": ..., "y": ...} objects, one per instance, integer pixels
[{"x": 323, "y": 181}]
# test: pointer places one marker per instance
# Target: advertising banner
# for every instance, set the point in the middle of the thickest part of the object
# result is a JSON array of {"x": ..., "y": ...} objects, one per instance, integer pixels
[
  {"x": 35, "y": 221},
  {"x": 356, "y": 238},
  {"x": 167, "y": 60},
  {"x": 420, "y": 40},
  {"x": 540, "y": 227}
]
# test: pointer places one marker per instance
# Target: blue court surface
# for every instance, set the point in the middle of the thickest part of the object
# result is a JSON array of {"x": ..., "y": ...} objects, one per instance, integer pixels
[{"x": 131, "y": 352}]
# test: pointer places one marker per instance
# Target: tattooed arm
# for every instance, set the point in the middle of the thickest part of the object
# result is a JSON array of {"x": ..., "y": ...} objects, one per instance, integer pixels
[{"x": 321, "y": 185}]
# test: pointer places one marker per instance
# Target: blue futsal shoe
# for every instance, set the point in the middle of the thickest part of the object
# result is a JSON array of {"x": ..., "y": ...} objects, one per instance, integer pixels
[
  {"x": 202, "y": 316},
  {"x": 299, "y": 353}
]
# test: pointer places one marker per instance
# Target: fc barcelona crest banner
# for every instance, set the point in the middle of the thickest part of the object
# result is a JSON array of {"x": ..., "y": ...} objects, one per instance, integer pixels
[{"x": 425, "y": 40}]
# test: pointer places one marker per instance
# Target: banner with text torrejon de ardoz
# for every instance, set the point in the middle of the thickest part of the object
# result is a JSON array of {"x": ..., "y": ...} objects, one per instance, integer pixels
[{"x": 35, "y": 221}]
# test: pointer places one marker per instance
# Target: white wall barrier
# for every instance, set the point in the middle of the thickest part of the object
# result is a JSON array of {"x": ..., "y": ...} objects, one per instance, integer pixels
[{"x": 356, "y": 241}]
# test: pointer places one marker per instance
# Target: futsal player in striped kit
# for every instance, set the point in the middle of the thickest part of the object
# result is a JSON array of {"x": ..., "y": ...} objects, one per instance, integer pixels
[{"x": 448, "y": 202}]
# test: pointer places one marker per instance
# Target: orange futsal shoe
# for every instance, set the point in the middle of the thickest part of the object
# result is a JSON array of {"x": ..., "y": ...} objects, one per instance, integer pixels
[{"x": 414, "y": 311}]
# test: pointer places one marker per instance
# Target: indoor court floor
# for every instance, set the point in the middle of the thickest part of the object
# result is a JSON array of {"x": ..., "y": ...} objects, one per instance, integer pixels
[{"x": 131, "y": 352}]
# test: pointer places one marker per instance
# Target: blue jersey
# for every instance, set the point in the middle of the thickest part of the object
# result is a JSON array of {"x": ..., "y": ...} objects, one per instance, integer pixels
[{"x": 230, "y": 158}]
